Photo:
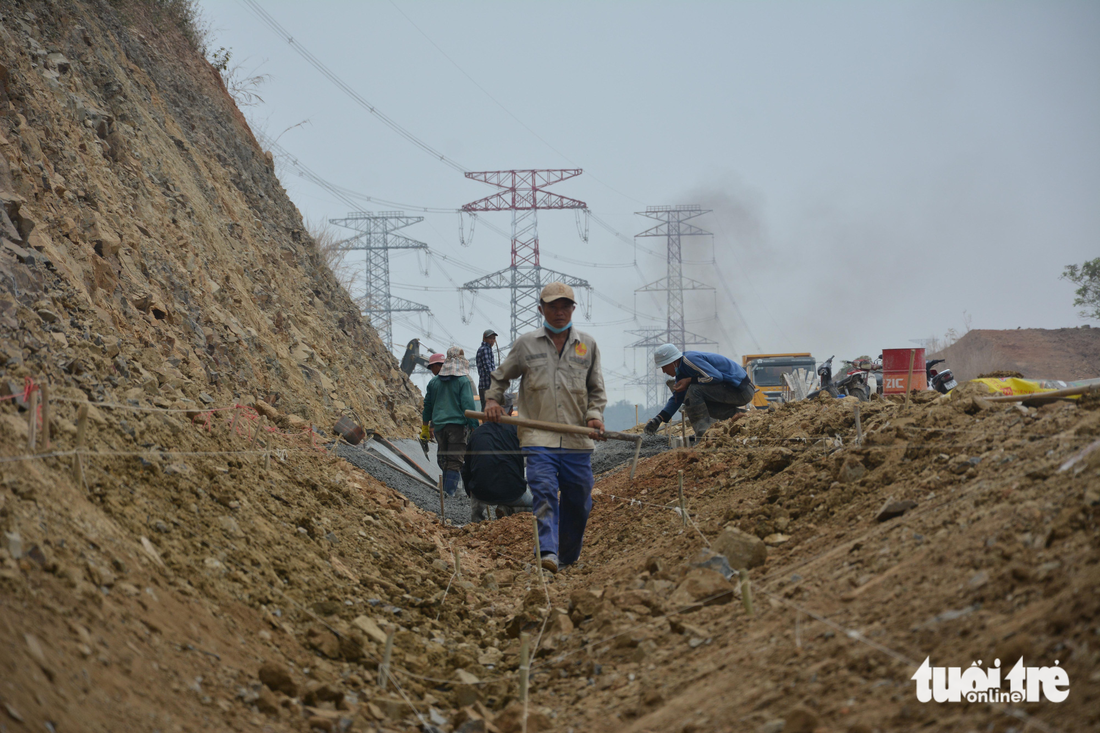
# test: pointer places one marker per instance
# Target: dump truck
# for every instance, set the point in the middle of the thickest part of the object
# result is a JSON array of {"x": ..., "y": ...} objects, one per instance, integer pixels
[{"x": 766, "y": 372}]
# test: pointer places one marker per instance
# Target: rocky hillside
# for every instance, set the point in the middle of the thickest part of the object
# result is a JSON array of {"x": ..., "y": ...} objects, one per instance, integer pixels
[{"x": 149, "y": 252}]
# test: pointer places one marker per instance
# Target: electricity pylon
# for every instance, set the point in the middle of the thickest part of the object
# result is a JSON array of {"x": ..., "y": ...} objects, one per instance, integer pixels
[
  {"x": 376, "y": 238},
  {"x": 523, "y": 194},
  {"x": 673, "y": 226}
]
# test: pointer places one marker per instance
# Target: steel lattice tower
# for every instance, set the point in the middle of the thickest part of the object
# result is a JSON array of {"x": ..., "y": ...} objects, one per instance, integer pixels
[
  {"x": 523, "y": 194},
  {"x": 376, "y": 239},
  {"x": 673, "y": 226}
]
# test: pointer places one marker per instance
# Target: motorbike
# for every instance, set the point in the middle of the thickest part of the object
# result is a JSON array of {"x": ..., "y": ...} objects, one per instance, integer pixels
[
  {"x": 941, "y": 381},
  {"x": 859, "y": 380},
  {"x": 825, "y": 378}
]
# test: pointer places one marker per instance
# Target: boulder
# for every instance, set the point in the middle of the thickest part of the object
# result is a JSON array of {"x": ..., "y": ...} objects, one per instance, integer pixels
[
  {"x": 278, "y": 679},
  {"x": 741, "y": 549},
  {"x": 702, "y": 586},
  {"x": 893, "y": 509},
  {"x": 585, "y": 601}
]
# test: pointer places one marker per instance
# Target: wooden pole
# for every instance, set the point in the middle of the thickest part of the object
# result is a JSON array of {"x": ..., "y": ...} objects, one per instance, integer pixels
[
  {"x": 46, "y": 416},
  {"x": 81, "y": 431},
  {"x": 458, "y": 562},
  {"x": 32, "y": 428},
  {"x": 538, "y": 545},
  {"x": 554, "y": 427},
  {"x": 267, "y": 459},
  {"x": 909, "y": 379},
  {"x": 635, "y": 414},
  {"x": 683, "y": 508},
  {"x": 524, "y": 673},
  {"x": 259, "y": 426},
  {"x": 683, "y": 429},
  {"x": 859, "y": 428},
  {"x": 384, "y": 668},
  {"x": 1043, "y": 396},
  {"x": 637, "y": 452},
  {"x": 442, "y": 515},
  {"x": 746, "y": 590}
]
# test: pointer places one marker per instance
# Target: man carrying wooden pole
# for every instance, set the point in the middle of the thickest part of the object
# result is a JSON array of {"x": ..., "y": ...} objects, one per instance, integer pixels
[{"x": 562, "y": 383}]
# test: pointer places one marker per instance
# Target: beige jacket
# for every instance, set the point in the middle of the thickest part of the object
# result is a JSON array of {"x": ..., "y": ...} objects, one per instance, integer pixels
[{"x": 567, "y": 389}]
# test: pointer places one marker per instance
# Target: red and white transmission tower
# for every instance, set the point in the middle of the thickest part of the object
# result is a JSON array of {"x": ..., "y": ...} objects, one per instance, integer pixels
[{"x": 523, "y": 194}]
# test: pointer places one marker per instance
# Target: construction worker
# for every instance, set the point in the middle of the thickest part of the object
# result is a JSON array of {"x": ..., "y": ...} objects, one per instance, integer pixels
[
  {"x": 493, "y": 470},
  {"x": 709, "y": 386},
  {"x": 562, "y": 383},
  {"x": 435, "y": 363},
  {"x": 485, "y": 363},
  {"x": 449, "y": 395}
]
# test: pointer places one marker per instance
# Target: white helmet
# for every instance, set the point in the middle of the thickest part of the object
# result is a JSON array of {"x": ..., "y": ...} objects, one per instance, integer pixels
[{"x": 665, "y": 355}]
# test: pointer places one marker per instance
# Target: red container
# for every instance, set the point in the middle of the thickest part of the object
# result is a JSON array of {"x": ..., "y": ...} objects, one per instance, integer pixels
[{"x": 895, "y": 370}]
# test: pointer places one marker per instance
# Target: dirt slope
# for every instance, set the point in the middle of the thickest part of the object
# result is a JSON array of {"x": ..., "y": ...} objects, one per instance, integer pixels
[
  {"x": 1037, "y": 353},
  {"x": 138, "y": 207}
]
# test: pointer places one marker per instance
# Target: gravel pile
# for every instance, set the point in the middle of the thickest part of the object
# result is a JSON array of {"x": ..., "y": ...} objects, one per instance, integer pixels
[
  {"x": 457, "y": 508},
  {"x": 608, "y": 456},
  {"x": 614, "y": 453}
]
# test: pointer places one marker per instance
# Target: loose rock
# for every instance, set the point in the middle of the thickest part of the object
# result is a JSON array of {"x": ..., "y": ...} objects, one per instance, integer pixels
[{"x": 741, "y": 549}]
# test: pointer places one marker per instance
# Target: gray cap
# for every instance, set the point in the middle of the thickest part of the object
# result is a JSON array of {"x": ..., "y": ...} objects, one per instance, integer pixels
[{"x": 488, "y": 332}]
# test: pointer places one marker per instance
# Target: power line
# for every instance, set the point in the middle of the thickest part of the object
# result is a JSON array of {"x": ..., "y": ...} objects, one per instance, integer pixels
[
  {"x": 343, "y": 86},
  {"x": 507, "y": 111},
  {"x": 584, "y": 263},
  {"x": 763, "y": 301}
]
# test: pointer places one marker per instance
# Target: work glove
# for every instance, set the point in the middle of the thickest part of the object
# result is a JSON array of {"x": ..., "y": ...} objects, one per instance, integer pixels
[
  {"x": 425, "y": 432},
  {"x": 653, "y": 426}
]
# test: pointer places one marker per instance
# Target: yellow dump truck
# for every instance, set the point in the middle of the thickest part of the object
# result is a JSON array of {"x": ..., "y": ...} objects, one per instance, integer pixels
[{"x": 766, "y": 372}]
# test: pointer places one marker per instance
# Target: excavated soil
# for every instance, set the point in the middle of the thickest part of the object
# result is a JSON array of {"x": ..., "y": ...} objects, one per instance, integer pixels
[
  {"x": 1067, "y": 354},
  {"x": 998, "y": 559}
]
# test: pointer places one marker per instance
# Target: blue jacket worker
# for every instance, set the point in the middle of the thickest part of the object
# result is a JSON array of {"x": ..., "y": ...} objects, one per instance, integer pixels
[
  {"x": 709, "y": 386},
  {"x": 562, "y": 383},
  {"x": 449, "y": 395},
  {"x": 493, "y": 470}
]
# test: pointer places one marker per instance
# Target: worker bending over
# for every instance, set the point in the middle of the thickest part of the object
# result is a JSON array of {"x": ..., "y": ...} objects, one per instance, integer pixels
[
  {"x": 709, "y": 386},
  {"x": 449, "y": 395},
  {"x": 562, "y": 383},
  {"x": 493, "y": 470}
]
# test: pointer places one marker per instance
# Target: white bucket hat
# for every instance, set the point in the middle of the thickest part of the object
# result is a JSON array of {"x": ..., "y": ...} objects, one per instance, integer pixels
[{"x": 664, "y": 355}]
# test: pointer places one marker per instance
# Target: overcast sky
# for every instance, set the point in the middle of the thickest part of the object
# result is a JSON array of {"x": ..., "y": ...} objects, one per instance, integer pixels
[{"x": 878, "y": 172}]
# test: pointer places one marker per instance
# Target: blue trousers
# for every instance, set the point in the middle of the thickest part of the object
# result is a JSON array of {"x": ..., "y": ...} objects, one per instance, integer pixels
[{"x": 558, "y": 471}]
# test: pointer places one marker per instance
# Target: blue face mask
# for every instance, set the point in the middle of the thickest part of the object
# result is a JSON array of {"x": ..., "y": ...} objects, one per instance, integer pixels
[{"x": 548, "y": 327}]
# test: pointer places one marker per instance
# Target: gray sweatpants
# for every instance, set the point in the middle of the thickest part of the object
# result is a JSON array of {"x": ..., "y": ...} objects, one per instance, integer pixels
[{"x": 705, "y": 404}]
